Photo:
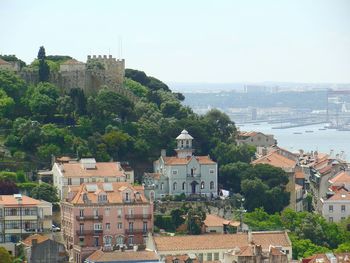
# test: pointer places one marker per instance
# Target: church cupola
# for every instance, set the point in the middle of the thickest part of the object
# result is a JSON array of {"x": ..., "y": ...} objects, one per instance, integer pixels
[{"x": 184, "y": 145}]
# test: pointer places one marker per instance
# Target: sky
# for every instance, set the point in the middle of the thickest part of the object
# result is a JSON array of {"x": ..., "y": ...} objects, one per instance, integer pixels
[{"x": 189, "y": 40}]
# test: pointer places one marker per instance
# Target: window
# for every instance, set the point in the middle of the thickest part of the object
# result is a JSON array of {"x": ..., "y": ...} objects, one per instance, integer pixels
[
  {"x": 343, "y": 208},
  {"x": 106, "y": 179},
  {"x": 211, "y": 171},
  {"x": 95, "y": 212},
  {"x": 131, "y": 240},
  {"x": 202, "y": 185},
  {"x": 330, "y": 219},
  {"x": 287, "y": 251},
  {"x": 97, "y": 226},
  {"x": 119, "y": 213},
  {"x": 192, "y": 171},
  {"x": 81, "y": 212},
  {"x": 108, "y": 226},
  {"x": 209, "y": 256},
  {"x": 102, "y": 198},
  {"x": 144, "y": 228},
  {"x": 183, "y": 186},
  {"x": 342, "y": 218},
  {"x": 174, "y": 186},
  {"x": 96, "y": 241},
  {"x": 216, "y": 256},
  {"x": 131, "y": 226},
  {"x": 107, "y": 211},
  {"x": 69, "y": 181},
  {"x": 93, "y": 179},
  {"x": 126, "y": 197},
  {"x": 107, "y": 240},
  {"x": 81, "y": 227},
  {"x": 161, "y": 186},
  {"x": 331, "y": 208},
  {"x": 81, "y": 180},
  {"x": 131, "y": 211},
  {"x": 200, "y": 257},
  {"x": 120, "y": 225},
  {"x": 120, "y": 240},
  {"x": 211, "y": 185},
  {"x": 174, "y": 172}
]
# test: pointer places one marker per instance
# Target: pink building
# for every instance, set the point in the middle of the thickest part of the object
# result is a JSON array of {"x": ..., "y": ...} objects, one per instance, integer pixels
[{"x": 107, "y": 215}]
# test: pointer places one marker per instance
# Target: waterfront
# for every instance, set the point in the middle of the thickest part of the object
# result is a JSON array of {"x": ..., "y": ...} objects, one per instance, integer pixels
[{"x": 308, "y": 138}]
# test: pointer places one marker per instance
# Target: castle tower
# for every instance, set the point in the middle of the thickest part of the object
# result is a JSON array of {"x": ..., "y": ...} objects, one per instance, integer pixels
[{"x": 184, "y": 145}]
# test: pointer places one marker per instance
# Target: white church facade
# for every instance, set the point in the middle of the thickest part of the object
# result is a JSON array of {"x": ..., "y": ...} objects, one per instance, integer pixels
[{"x": 184, "y": 173}]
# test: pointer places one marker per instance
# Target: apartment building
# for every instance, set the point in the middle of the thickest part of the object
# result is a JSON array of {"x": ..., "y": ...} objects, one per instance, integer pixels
[
  {"x": 105, "y": 215},
  {"x": 87, "y": 170},
  {"x": 21, "y": 216}
]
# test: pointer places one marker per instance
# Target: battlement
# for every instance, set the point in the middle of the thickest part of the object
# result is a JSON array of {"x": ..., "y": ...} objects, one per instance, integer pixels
[{"x": 105, "y": 59}]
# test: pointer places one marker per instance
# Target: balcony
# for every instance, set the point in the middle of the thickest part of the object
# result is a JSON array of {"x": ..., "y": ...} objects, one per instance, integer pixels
[
  {"x": 85, "y": 218},
  {"x": 136, "y": 231},
  {"x": 138, "y": 216},
  {"x": 89, "y": 232}
]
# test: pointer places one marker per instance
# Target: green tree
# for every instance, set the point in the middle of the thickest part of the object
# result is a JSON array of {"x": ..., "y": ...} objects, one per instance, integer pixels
[
  {"x": 44, "y": 69},
  {"x": 305, "y": 248},
  {"x": 6, "y": 104},
  {"x": 195, "y": 218},
  {"x": 177, "y": 217},
  {"x": 5, "y": 256},
  {"x": 46, "y": 151},
  {"x": 21, "y": 177},
  {"x": 45, "y": 192},
  {"x": 230, "y": 175}
]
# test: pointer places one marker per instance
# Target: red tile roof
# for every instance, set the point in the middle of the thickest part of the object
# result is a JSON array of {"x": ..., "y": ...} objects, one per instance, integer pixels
[
  {"x": 212, "y": 220},
  {"x": 340, "y": 178},
  {"x": 114, "y": 192},
  {"x": 224, "y": 241},
  {"x": 341, "y": 195},
  {"x": 40, "y": 238},
  {"x": 118, "y": 256},
  {"x": 277, "y": 160},
  {"x": 173, "y": 160},
  {"x": 103, "y": 169},
  {"x": 10, "y": 200}
]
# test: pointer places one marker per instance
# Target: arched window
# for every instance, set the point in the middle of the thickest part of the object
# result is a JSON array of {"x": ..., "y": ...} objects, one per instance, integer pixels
[
  {"x": 107, "y": 240},
  {"x": 211, "y": 185},
  {"x": 183, "y": 185},
  {"x": 161, "y": 186},
  {"x": 174, "y": 186},
  {"x": 120, "y": 240},
  {"x": 202, "y": 185},
  {"x": 126, "y": 196}
]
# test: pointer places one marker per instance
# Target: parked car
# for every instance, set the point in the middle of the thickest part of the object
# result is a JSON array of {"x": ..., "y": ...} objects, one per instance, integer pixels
[{"x": 55, "y": 228}]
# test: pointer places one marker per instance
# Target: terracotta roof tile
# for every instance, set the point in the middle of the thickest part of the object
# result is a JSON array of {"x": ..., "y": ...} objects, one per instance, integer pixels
[
  {"x": 299, "y": 175},
  {"x": 212, "y": 220},
  {"x": 341, "y": 195},
  {"x": 114, "y": 192},
  {"x": 103, "y": 169},
  {"x": 180, "y": 258},
  {"x": 173, "y": 160},
  {"x": 40, "y": 238},
  {"x": 340, "y": 178},
  {"x": 10, "y": 200},
  {"x": 228, "y": 241},
  {"x": 277, "y": 160},
  {"x": 118, "y": 256}
]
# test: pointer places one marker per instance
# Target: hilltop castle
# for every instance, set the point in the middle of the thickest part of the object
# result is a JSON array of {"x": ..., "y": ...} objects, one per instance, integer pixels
[{"x": 76, "y": 74}]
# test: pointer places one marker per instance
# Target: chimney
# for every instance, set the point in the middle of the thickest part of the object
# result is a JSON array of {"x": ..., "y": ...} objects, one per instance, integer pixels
[{"x": 163, "y": 152}]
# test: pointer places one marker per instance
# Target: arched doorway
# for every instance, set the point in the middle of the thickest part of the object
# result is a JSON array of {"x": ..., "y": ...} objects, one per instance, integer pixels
[{"x": 194, "y": 186}]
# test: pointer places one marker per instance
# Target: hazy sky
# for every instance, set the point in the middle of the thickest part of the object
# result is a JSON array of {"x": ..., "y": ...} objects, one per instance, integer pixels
[{"x": 190, "y": 41}]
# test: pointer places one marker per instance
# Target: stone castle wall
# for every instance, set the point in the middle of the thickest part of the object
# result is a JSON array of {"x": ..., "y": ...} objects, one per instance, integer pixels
[{"x": 91, "y": 81}]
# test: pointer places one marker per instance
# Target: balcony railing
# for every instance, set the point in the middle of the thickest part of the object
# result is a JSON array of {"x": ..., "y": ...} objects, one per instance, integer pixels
[
  {"x": 136, "y": 231},
  {"x": 138, "y": 216},
  {"x": 96, "y": 217},
  {"x": 89, "y": 232}
]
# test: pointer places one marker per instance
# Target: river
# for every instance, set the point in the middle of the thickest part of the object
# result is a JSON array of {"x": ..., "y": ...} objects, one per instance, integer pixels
[{"x": 320, "y": 140}]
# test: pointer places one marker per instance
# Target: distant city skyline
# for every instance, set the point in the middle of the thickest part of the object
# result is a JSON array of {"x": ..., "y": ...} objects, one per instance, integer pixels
[{"x": 190, "y": 41}]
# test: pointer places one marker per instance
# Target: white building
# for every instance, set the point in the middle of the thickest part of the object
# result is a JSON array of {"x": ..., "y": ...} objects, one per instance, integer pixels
[
  {"x": 337, "y": 206},
  {"x": 87, "y": 170},
  {"x": 184, "y": 173}
]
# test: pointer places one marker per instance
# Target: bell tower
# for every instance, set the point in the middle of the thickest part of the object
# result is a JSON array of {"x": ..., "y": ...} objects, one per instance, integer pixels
[{"x": 184, "y": 145}]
